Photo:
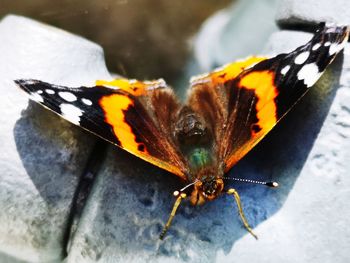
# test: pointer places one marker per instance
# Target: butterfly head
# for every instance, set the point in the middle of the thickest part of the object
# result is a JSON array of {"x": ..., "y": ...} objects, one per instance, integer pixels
[{"x": 206, "y": 189}]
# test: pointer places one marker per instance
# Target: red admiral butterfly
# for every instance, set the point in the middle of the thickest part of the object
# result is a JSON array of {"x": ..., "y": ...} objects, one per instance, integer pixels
[{"x": 227, "y": 112}]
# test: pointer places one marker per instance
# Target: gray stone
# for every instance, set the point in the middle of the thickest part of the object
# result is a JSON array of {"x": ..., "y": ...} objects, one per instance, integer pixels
[
  {"x": 300, "y": 12},
  {"x": 231, "y": 34},
  {"x": 42, "y": 156},
  {"x": 285, "y": 41},
  {"x": 304, "y": 220}
]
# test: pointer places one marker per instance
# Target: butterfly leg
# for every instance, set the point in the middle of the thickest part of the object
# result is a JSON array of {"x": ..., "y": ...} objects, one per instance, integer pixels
[
  {"x": 240, "y": 210},
  {"x": 179, "y": 198}
]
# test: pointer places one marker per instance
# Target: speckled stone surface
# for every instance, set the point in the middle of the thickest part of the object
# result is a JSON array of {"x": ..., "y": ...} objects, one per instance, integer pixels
[
  {"x": 307, "y": 12},
  {"x": 304, "y": 220},
  {"x": 41, "y": 156},
  {"x": 128, "y": 206},
  {"x": 306, "y": 154}
]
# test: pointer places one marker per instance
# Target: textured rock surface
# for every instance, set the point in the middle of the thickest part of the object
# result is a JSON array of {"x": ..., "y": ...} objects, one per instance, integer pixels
[
  {"x": 302, "y": 221},
  {"x": 305, "y": 154},
  {"x": 41, "y": 155},
  {"x": 300, "y": 12},
  {"x": 130, "y": 204}
]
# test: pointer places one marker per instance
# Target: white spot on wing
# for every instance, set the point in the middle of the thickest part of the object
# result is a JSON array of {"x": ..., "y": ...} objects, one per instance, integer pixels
[
  {"x": 71, "y": 113},
  {"x": 50, "y": 91},
  {"x": 309, "y": 73},
  {"x": 36, "y": 97},
  {"x": 67, "y": 96},
  {"x": 316, "y": 46},
  {"x": 285, "y": 70},
  {"x": 30, "y": 82},
  {"x": 86, "y": 101},
  {"x": 327, "y": 44},
  {"x": 40, "y": 92},
  {"x": 335, "y": 48},
  {"x": 301, "y": 58}
]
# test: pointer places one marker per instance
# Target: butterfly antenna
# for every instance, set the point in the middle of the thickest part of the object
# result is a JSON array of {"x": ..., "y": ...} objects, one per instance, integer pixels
[
  {"x": 179, "y": 198},
  {"x": 240, "y": 211},
  {"x": 187, "y": 186},
  {"x": 270, "y": 184}
]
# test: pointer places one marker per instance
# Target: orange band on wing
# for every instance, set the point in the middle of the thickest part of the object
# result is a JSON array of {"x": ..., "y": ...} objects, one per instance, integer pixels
[
  {"x": 133, "y": 87},
  {"x": 114, "y": 107},
  {"x": 232, "y": 70},
  {"x": 262, "y": 82},
  {"x": 224, "y": 74}
]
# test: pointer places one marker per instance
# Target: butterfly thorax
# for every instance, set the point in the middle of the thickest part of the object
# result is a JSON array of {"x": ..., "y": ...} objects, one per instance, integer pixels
[{"x": 196, "y": 143}]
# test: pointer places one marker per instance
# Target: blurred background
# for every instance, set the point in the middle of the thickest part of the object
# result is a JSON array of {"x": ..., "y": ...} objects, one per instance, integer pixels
[
  {"x": 155, "y": 38},
  {"x": 141, "y": 39}
]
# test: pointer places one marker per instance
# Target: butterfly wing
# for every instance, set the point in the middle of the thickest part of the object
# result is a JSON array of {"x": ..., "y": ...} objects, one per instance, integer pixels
[
  {"x": 133, "y": 115},
  {"x": 243, "y": 107},
  {"x": 241, "y": 102},
  {"x": 209, "y": 95}
]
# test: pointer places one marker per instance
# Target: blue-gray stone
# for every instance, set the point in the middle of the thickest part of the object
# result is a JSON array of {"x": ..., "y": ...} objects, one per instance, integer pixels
[
  {"x": 42, "y": 156},
  {"x": 301, "y": 220}
]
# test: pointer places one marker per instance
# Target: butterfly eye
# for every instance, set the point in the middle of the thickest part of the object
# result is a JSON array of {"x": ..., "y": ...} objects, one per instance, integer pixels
[{"x": 212, "y": 188}]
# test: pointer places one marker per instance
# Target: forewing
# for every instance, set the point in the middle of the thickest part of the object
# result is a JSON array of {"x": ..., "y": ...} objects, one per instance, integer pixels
[
  {"x": 245, "y": 107},
  {"x": 133, "y": 115},
  {"x": 209, "y": 97}
]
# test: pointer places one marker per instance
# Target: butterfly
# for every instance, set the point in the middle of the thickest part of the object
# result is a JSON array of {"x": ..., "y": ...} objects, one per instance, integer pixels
[{"x": 227, "y": 112}]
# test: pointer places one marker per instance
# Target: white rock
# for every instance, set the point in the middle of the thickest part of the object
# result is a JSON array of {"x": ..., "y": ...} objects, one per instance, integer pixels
[
  {"x": 301, "y": 12},
  {"x": 42, "y": 156},
  {"x": 304, "y": 220},
  {"x": 231, "y": 34}
]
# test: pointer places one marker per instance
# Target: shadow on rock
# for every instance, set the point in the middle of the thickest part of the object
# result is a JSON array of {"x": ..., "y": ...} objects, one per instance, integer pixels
[{"x": 53, "y": 152}]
